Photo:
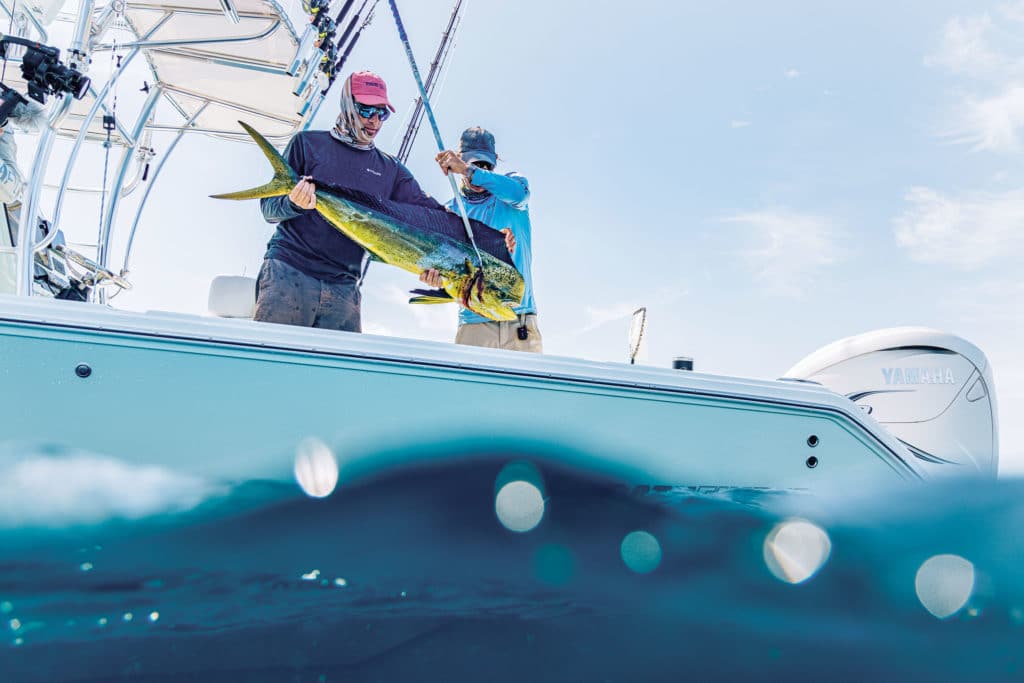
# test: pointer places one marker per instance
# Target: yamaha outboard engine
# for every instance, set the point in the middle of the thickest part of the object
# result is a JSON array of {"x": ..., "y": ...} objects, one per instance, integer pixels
[{"x": 933, "y": 391}]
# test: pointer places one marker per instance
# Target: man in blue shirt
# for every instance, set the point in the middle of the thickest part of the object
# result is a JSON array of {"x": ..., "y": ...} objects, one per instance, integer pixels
[
  {"x": 312, "y": 272},
  {"x": 500, "y": 201}
]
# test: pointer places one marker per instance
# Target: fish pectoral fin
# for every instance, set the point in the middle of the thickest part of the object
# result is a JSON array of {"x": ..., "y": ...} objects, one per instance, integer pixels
[{"x": 430, "y": 296}]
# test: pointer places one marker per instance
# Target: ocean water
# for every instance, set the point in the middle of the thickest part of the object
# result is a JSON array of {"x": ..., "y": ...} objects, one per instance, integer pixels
[{"x": 495, "y": 567}]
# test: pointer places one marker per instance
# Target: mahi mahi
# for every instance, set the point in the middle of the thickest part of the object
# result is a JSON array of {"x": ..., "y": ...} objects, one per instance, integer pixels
[{"x": 413, "y": 238}]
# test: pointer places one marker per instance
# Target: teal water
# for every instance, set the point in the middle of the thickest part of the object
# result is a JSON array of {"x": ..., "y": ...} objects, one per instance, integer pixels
[{"x": 412, "y": 574}]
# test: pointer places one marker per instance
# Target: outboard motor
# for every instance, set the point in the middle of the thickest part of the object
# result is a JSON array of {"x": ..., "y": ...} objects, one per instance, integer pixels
[{"x": 933, "y": 391}]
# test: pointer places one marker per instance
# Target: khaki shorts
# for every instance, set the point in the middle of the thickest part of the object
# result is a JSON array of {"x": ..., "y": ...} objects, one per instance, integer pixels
[{"x": 502, "y": 335}]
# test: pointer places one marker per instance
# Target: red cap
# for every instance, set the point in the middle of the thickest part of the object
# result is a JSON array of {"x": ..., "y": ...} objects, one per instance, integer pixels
[{"x": 369, "y": 88}]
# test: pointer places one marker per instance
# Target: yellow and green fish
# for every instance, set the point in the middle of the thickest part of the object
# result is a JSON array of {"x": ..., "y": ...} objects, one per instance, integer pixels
[{"x": 413, "y": 238}]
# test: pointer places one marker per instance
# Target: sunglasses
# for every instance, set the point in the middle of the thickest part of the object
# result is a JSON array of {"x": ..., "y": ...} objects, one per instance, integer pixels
[
  {"x": 368, "y": 110},
  {"x": 482, "y": 164}
]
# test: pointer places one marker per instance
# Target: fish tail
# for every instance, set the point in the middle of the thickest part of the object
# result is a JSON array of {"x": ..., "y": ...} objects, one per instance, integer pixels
[{"x": 284, "y": 177}]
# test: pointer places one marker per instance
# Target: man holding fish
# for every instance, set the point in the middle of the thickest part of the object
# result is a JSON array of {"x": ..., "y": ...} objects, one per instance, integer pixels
[
  {"x": 312, "y": 272},
  {"x": 369, "y": 204},
  {"x": 500, "y": 201}
]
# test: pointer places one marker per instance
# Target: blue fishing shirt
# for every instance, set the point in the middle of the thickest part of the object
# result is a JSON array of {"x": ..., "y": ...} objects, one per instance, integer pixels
[
  {"x": 304, "y": 239},
  {"x": 504, "y": 206}
]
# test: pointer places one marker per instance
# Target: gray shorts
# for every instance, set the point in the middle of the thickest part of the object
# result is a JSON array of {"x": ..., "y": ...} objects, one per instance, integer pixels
[{"x": 288, "y": 296}]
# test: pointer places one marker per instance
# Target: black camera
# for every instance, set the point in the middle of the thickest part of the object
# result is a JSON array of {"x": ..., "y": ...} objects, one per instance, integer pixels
[
  {"x": 45, "y": 75},
  {"x": 42, "y": 70}
]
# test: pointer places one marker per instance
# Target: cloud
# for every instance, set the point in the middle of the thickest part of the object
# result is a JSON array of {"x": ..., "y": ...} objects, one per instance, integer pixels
[
  {"x": 968, "y": 232},
  {"x": 82, "y": 488},
  {"x": 740, "y": 124},
  {"x": 993, "y": 123},
  {"x": 966, "y": 50},
  {"x": 788, "y": 248},
  {"x": 989, "y": 114},
  {"x": 792, "y": 73}
]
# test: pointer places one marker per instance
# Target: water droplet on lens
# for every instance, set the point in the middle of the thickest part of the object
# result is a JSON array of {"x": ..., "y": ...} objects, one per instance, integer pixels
[
  {"x": 641, "y": 552},
  {"x": 128, "y": 616},
  {"x": 102, "y": 621},
  {"x": 944, "y": 584},
  {"x": 795, "y": 550},
  {"x": 519, "y": 506},
  {"x": 316, "y": 469},
  {"x": 153, "y": 616},
  {"x": 15, "y": 624}
]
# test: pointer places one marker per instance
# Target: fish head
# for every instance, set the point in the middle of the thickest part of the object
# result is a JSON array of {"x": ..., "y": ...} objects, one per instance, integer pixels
[{"x": 488, "y": 297}]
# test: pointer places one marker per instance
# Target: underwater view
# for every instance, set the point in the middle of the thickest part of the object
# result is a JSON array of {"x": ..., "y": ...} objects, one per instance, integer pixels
[{"x": 497, "y": 565}]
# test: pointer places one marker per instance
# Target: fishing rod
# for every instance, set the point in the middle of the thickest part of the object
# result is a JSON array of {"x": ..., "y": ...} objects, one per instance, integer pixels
[
  {"x": 336, "y": 66},
  {"x": 351, "y": 24},
  {"x": 440, "y": 58},
  {"x": 344, "y": 10},
  {"x": 433, "y": 124}
]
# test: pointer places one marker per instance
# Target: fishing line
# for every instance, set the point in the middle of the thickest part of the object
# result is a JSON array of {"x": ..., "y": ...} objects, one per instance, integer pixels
[
  {"x": 437, "y": 133},
  {"x": 109, "y": 125}
]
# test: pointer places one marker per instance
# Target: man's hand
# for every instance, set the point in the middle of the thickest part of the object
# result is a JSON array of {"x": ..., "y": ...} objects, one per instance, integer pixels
[
  {"x": 450, "y": 162},
  {"x": 510, "y": 240},
  {"x": 303, "y": 195},
  {"x": 431, "y": 277}
]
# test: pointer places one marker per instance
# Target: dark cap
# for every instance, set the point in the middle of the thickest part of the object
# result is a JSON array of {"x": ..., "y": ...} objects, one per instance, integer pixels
[{"x": 477, "y": 144}]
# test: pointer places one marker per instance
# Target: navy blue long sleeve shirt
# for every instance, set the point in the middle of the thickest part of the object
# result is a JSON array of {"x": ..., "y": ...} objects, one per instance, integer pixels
[{"x": 303, "y": 239}]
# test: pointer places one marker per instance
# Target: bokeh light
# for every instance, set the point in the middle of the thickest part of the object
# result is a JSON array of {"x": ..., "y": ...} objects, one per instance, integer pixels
[
  {"x": 796, "y": 549},
  {"x": 944, "y": 583},
  {"x": 641, "y": 552},
  {"x": 316, "y": 469},
  {"x": 519, "y": 506}
]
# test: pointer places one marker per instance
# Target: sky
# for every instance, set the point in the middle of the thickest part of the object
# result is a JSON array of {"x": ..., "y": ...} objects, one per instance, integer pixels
[{"x": 765, "y": 178}]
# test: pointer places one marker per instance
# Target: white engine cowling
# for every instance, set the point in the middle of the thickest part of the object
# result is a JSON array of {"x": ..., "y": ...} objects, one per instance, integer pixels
[{"x": 933, "y": 391}]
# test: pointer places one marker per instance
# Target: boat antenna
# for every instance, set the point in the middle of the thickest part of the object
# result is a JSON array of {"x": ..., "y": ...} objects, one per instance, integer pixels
[
  {"x": 440, "y": 57},
  {"x": 437, "y": 133},
  {"x": 637, "y": 328}
]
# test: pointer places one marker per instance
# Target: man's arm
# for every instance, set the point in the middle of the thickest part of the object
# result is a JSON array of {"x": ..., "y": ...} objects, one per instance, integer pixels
[
  {"x": 29, "y": 117},
  {"x": 513, "y": 189},
  {"x": 277, "y": 209},
  {"x": 408, "y": 191}
]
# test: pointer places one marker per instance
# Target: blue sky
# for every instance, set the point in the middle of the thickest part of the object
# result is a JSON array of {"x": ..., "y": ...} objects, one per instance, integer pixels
[{"x": 765, "y": 179}]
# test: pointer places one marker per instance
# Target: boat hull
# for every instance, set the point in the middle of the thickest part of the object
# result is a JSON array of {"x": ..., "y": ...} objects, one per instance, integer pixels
[{"x": 232, "y": 399}]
